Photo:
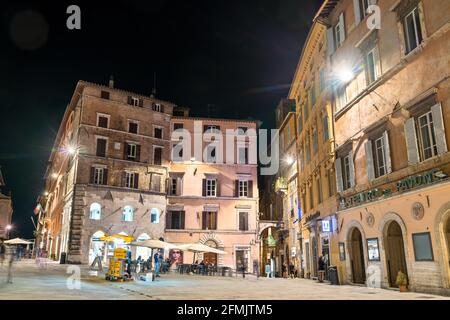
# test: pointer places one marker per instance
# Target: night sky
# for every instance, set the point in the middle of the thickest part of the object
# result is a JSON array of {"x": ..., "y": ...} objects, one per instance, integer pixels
[{"x": 237, "y": 55}]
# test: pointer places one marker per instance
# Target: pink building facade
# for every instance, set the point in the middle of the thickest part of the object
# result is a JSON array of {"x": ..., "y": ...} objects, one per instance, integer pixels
[{"x": 212, "y": 199}]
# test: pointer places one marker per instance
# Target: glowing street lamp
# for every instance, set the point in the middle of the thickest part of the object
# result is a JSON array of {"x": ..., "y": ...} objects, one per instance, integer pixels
[
  {"x": 54, "y": 175},
  {"x": 8, "y": 228},
  {"x": 345, "y": 75},
  {"x": 289, "y": 160}
]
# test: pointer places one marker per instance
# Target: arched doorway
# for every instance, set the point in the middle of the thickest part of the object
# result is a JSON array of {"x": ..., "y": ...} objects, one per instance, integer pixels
[
  {"x": 447, "y": 238},
  {"x": 143, "y": 252},
  {"x": 209, "y": 257},
  {"x": 356, "y": 253},
  {"x": 395, "y": 252},
  {"x": 97, "y": 246}
]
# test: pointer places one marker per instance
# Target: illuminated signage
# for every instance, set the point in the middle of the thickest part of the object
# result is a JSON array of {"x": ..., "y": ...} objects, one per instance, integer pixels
[{"x": 326, "y": 226}]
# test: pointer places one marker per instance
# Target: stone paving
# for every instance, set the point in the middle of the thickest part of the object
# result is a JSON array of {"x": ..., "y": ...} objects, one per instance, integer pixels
[{"x": 31, "y": 282}]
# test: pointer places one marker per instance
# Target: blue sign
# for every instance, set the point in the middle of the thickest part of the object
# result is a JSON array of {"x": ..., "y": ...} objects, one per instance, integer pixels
[{"x": 326, "y": 226}]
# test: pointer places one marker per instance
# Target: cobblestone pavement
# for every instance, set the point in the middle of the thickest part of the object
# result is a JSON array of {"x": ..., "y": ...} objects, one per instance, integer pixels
[{"x": 31, "y": 282}]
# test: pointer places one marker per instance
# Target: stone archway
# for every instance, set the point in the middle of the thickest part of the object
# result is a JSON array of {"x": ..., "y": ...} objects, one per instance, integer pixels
[
  {"x": 442, "y": 237},
  {"x": 212, "y": 240}
]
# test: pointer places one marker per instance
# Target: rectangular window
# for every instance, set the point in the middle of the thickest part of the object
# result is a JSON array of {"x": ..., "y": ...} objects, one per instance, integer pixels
[
  {"x": 177, "y": 126},
  {"x": 412, "y": 30},
  {"x": 158, "y": 133},
  {"x": 363, "y": 6},
  {"x": 331, "y": 180},
  {"x": 155, "y": 182},
  {"x": 319, "y": 190},
  {"x": 99, "y": 176},
  {"x": 157, "y": 156},
  {"x": 175, "y": 220},
  {"x": 243, "y": 155},
  {"x": 427, "y": 136},
  {"x": 131, "y": 151},
  {"x": 243, "y": 188},
  {"x": 157, "y": 107},
  {"x": 372, "y": 66},
  {"x": 315, "y": 141},
  {"x": 132, "y": 127},
  {"x": 133, "y": 101},
  {"x": 175, "y": 185},
  {"x": 379, "y": 157},
  {"x": 211, "y": 186},
  {"x": 209, "y": 220},
  {"x": 341, "y": 97},
  {"x": 326, "y": 134},
  {"x": 243, "y": 221},
  {"x": 346, "y": 172},
  {"x": 211, "y": 154},
  {"x": 102, "y": 121},
  {"x": 101, "y": 147},
  {"x": 131, "y": 180},
  {"x": 423, "y": 250},
  {"x": 105, "y": 95}
]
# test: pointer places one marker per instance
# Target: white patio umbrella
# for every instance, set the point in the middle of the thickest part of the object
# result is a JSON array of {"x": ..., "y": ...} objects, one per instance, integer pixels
[
  {"x": 153, "y": 244},
  {"x": 198, "y": 247},
  {"x": 17, "y": 241}
]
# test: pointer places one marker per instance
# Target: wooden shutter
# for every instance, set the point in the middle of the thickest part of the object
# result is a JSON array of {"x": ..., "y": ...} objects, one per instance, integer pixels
[
  {"x": 411, "y": 141},
  {"x": 157, "y": 158},
  {"x": 369, "y": 160},
  {"x": 182, "y": 214},
  {"x": 352, "y": 170},
  {"x": 178, "y": 191},
  {"x": 357, "y": 11},
  {"x": 217, "y": 188},
  {"x": 168, "y": 219},
  {"x": 105, "y": 176},
  {"x": 342, "y": 27},
  {"x": 204, "y": 187},
  {"x": 338, "y": 167},
  {"x": 125, "y": 150},
  {"x": 387, "y": 152},
  {"x": 330, "y": 43},
  {"x": 215, "y": 220},
  {"x": 92, "y": 174},
  {"x": 246, "y": 220},
  {"x": 136, "y": 180},
  {"x": 138, "y": 152},
  {"x": 101, "y": 147},
  {"x": 204, "y": 213},
  {"x": 439, "y": 129},
  {"x": 377, "y": 62},
  {"x": 236, "y": 188},
  {"x": 124, "y": 178},
  {"x": 250, "y": 188},
  {"x": 130, "y": 101},
  {"x": 141, "y": 103}
]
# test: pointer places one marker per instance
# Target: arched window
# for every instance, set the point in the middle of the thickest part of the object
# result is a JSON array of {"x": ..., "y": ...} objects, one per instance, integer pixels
[
  {"x": 127, "y": 214},
  {"x": 95, "y": 211},
  {"x": 154, "y": 215}
]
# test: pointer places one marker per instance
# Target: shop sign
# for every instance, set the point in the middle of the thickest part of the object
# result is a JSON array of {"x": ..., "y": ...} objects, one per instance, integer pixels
[
  {"x": 326, "y": 226},
  {"x": 404, "y": 185}
]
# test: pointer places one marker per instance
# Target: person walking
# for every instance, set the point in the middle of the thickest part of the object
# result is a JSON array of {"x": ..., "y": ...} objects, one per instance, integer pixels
[
  {"x": 11, "y": 252},
  {"x": 321, "y": 265},
  {"x": 2, "y": 254}
]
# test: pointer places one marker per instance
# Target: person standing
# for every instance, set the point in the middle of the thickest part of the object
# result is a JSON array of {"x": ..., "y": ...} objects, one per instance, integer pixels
[
  {"x": 321, "y": 265},
  {"x": 2, "y": 254},
  {"x": 157, "y": 263}
]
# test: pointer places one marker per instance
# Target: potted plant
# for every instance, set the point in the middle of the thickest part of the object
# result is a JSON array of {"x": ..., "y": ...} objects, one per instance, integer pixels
[{"x": 402, "y": 281}]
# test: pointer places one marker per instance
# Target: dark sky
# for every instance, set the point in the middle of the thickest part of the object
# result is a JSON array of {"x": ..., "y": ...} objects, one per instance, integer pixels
[{"x": 239, "y": 55}]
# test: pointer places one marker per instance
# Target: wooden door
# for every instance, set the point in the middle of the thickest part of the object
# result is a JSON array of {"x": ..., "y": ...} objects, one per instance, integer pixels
[{"x": 210, "y": 258}]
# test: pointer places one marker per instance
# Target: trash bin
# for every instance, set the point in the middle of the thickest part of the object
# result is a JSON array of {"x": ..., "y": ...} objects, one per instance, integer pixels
[
  {"x": 333, "y": 275},
  {"x": 62, "y": 259}
]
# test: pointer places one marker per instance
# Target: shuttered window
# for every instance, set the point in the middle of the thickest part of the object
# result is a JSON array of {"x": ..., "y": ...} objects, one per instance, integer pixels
[
  {"x": 243, "y": 221},
  {"x": 157, "y": 156},
  {"x": 209, "y": 220},
  {"x": 175, "y": 220},
  {"x": 101, "y": 147}
]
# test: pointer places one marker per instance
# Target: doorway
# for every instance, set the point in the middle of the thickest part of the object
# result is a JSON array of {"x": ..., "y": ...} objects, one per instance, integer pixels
[
  {"x": 447, "y": 238},
  {"x": 395, "y": 252},
  {"x": 356, "y": 253},
  {"x": 209, "y": 257}
]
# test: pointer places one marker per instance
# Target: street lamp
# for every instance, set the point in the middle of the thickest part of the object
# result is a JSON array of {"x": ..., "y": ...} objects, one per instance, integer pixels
[
  {"x": 289, "y": 160},
  {"x": 54, "y": 175},
  {"x": 345, "y": 74},
  {"x": 8, "y": 228}
]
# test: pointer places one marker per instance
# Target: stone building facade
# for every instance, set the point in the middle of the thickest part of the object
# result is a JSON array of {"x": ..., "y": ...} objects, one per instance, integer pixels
[
  {"x": 311, "y": 89},
  {"x": 391, "y": 106},
  {"x": 106, "y": 173}
]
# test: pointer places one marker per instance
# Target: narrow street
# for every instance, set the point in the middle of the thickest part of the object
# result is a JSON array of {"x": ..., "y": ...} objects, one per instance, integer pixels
[{"x": 30, "y": 282}]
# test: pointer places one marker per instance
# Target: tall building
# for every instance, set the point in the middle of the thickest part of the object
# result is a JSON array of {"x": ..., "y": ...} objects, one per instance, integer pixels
[
  {"x": 111, "y": 172},
  {"x": 213, "y": 190},
  {"x": 106, "y": 173},
  {"x": 286, "y": 187},
  {"x": 6, "y": 210},
  {"x": 311, "y": 90},
  {"x": 390, "y": 63}
]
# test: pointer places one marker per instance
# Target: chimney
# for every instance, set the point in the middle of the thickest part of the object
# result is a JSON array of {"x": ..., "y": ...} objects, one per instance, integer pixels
[{"x": 111, "y": 82}]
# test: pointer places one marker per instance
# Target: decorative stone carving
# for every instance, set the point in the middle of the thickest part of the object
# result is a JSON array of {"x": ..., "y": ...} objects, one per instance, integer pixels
[
  {"x": 370, "y": 219},
  {"x": 417, "y": 211}
]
